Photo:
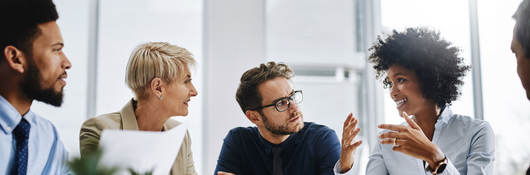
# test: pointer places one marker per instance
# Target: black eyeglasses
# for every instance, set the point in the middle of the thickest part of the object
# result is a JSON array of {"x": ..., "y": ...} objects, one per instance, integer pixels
[{"x": 282, "y": 104}]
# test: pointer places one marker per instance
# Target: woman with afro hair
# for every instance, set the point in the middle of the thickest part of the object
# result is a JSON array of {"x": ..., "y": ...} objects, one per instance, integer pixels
[{"x": 424, "y": 72}]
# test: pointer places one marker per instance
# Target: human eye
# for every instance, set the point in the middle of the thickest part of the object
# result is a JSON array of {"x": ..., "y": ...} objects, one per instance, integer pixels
[
  {"x": 282, "y": 102},
  {"x": 58, "y": 49},
  {"x": 401, "y": 80}
]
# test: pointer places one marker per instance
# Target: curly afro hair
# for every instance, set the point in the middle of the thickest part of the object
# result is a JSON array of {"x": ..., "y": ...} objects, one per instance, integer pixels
[{"x": 436, "y": 62}]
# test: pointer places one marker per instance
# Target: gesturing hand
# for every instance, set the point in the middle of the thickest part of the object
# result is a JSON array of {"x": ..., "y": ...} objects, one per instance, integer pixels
[
  {"x": 224, "y": 173},
  {"x": 411, "y": 141},
  {"x": 349, "y": 131}
]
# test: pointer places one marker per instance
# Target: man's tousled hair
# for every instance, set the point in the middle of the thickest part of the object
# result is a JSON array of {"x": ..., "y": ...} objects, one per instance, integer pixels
[{"x": 247, "y": 94}]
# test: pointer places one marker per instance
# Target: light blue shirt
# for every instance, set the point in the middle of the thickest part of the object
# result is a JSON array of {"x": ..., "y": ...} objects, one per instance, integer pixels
[
  {"x": 468, "y": 144},
  {"x": 46, "y": 152}
]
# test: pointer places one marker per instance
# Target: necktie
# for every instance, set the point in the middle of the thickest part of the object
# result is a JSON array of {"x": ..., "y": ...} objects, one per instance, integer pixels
[
  {"x": 277, "y": 161},
  {"x": 21, "y": 135}
]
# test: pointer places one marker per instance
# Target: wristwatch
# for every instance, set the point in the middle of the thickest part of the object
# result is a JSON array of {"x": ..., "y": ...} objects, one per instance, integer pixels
[{"x": 439, "y": 168}]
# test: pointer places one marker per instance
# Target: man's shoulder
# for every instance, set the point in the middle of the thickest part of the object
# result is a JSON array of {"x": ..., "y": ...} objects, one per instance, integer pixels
[
  {"x": 317, "y": 129},
  {"x": 239, "y": 134},
  {"x": 316, "y": 134},
  {"x": 42, "y": 122},
  {"x": 243, "y": 131}
]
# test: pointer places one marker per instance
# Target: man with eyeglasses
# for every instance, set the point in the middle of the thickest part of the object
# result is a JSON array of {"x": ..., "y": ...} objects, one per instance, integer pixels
[{"x": 282, "y": 143}]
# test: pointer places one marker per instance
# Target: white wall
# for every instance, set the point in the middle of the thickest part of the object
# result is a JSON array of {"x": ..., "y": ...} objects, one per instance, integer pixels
[{"x": 234, "y": 42}]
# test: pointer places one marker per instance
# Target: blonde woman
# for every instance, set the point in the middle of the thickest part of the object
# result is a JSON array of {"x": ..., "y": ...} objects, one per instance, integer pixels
[{"x": 158, "y": 74}]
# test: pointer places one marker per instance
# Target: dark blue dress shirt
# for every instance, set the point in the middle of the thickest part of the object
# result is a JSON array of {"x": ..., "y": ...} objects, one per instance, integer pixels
[{"x": 313, "y": 150}]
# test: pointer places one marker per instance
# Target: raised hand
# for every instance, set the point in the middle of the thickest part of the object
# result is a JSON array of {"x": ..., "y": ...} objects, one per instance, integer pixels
[
  {"x": 349, "y": 131},
  {"x": 411, "y": 141},
  {"x": 224, "y": 173}
]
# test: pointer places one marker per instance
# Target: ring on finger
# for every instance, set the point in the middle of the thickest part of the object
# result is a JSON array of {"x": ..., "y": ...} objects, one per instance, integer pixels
[{"x": 395, "y": 141}]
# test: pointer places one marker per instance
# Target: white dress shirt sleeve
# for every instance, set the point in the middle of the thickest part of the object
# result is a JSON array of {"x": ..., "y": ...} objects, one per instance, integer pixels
[
  {"x": 361, "y": 158},
  {"x": 482, "y": 154},
  {"x": 376, "y": 164}
]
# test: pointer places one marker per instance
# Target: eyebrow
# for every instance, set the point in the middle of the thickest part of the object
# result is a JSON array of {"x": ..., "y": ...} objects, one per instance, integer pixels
[
  {"x": 276, "y": 100},
  {"x": 396, "y": 74},
  {"x": 399, "y": 73},
  {"x": 58, "y": 44}
]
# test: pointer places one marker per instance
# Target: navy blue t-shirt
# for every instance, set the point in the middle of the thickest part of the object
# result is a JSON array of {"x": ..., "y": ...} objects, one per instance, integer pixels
[{"x": 313, "y": 150}]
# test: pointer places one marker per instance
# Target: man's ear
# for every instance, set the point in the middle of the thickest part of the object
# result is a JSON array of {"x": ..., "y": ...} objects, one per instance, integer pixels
[
  {"x": 156, "y": 87},
  {"x": 14, "y": 58},
  {"x": 253, "y": 116}
]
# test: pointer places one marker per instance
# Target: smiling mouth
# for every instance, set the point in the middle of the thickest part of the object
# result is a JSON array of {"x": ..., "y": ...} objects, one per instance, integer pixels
[
  {"x": 401, "y": 102},
  {"x": 62, "y": 81},
  {"x": 62, "y": 78}
]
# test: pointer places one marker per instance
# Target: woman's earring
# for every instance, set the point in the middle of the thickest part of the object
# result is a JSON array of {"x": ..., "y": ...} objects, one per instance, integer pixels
[{"x": 160, "y": 97}]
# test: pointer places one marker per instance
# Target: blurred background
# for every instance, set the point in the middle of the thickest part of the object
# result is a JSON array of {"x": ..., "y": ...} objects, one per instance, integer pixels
[{"x": 325, "y": 42}]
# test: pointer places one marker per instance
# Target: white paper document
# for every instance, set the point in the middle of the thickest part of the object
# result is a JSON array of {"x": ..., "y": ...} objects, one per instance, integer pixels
[{"x": 143, "y": 151}]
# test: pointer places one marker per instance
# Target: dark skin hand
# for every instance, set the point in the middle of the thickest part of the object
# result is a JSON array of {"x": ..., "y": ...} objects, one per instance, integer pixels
[{"x": 411, "y": 141}]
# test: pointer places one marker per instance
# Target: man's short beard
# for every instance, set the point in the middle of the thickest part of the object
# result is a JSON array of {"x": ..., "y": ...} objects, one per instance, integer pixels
[
  {"x": 31, "y": 87},
  {"x": 278, "y": 130}
]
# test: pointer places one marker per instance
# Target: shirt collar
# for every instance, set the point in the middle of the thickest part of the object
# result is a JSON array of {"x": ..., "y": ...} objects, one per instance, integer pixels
[
  {"x": 128, "y": 118},
  {"x": 9, "y": 116},
  {"x": 444, "y": 118}
]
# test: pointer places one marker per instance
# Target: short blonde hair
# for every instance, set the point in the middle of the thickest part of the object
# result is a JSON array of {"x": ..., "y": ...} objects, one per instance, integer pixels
[{"x": 155, "y": 59}]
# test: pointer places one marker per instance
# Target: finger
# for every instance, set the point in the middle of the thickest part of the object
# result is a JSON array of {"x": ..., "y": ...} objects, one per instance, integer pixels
[
  {"x": 224, "y": 173},
  {"x": 347, "y": 125},
  {"x": 405, "y": 149},
  {"x": 387, "y": 141},
  {"x": 392, "y": 127},
  {"x": 354, "y": 134},
  {"x": 401, "y": 141},
  {"x": 404, "y": 114},
  {"x": 411, "y": 122},
  {"x": 350, "y": 127},
  {"x": 398, "y": 148},
  {"x": 390, "y": 135},
  {"x": 353, "y": 122},
  {"x": 348, "y": 119},
  {"x": 354, "y": 145},
  {"x": 349, "y": 138}
]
